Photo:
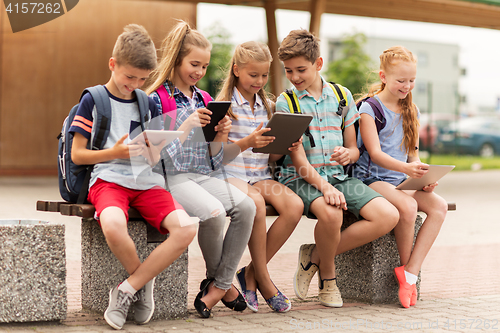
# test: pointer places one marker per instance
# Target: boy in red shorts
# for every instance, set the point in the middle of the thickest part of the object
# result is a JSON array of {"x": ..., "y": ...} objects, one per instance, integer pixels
[{"x": 116, "y": 185}]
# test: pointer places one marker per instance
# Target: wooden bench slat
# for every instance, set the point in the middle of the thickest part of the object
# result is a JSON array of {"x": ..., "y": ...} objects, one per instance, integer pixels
[{"x": 87, "y": 210}]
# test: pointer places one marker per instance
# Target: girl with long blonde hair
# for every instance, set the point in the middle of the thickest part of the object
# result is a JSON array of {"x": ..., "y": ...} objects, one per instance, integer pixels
[
  {"x": 250, "y": 110},
  {"x": 391, "y": 155}
]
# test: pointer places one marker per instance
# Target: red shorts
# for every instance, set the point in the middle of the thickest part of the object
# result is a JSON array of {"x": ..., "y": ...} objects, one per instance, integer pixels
[{"x": 153, "y": 204}]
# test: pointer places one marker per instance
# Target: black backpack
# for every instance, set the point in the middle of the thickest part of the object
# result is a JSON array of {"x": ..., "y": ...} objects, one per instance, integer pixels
[{"x": 74, "y": 179}]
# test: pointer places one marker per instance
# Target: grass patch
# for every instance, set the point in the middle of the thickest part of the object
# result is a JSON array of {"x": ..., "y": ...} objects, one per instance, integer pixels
[{"x": 464, "y": 162}]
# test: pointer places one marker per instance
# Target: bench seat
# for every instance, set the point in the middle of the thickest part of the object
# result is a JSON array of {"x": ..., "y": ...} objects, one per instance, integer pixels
[{"x": 364, "y": 274}]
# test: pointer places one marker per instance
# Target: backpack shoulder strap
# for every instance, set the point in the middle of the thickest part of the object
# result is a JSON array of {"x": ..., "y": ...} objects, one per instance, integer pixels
[
  {"x": 292, "y": 100},
  {"x": 378, "y": 111},
  {"x": 103, "y": 120},
  {"x": 168, "y": 106},
  {"x": 143, "y": 103},
  {"x": 341, "y": 95},
  {"x": 294, "y": 107},
  {"x": 205, "y": 97}
]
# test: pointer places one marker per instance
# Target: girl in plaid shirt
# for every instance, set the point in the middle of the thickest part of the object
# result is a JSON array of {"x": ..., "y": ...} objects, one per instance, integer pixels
[{"x": 188, "y": 164}]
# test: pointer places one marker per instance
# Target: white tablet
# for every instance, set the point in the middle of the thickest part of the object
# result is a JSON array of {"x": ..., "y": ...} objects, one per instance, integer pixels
[
  {"x": 156, "y": 136},
  {"x": 435, "y": 173}
]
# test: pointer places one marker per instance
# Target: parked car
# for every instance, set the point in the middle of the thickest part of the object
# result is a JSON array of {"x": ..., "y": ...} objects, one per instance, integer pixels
[
  {"x": 475, "y": 136},
  {"x": 430, "y": 128}
]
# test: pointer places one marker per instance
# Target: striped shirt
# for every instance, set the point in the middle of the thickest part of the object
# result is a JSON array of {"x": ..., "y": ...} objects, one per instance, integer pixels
[
  {"x": 189, "y": 156},
  {"x": 325, "y": 128},
  {"x": 249, "y": 166}
]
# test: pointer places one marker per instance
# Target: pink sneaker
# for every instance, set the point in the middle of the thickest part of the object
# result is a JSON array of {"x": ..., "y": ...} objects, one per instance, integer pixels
[
  {"x": 414, "y": 295},
  {"x": 405, "y": 289}
]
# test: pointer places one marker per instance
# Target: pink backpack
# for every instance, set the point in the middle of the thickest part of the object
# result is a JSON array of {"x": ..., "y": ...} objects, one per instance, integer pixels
[{"x": 169, "y": 107}]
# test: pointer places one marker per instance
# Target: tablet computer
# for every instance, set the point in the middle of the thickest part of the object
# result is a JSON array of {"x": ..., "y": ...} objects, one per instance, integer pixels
[
  {"x": 208, "y": 133},
  {"x": 156, "y": 136},
  {"x": 435, "y": 173},
  {"x": 287, "y": 128}
]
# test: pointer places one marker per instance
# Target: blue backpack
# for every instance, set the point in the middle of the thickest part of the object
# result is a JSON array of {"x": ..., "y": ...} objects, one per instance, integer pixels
[{"x": 74, "y": 179}]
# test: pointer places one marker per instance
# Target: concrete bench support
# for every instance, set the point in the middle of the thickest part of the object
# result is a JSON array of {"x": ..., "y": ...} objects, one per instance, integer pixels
[
  {"x": 32, "y": 271},
  {"x": 366, "y": 274},
  {"x": 101, "y": 271}
]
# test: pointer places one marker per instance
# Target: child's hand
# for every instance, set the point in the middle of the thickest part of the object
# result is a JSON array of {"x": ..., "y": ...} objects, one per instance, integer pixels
[
  {"x": 416, "y": 169},
  {"x": 296, "y": 145},
  {"x": 224, "y": 125},
  {"x": 340, "y": 155},
  {"x": 257, "y": 140},
  {"x": 152, "y": 152},
  {"x": 334, "y": 197},
  {"x": 123, "y": 151},
  {"x": 200, "y": 118},
  {"x": 429, "y": 188}
]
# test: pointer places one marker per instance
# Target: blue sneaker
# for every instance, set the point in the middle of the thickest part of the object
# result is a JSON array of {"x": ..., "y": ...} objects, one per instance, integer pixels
[
  {"x": 279, "y": 302},
  {"x": 250, "y": 296}
]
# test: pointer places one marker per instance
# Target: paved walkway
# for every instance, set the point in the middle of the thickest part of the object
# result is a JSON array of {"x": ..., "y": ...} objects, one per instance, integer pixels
[{"x": 460, "y": 290}]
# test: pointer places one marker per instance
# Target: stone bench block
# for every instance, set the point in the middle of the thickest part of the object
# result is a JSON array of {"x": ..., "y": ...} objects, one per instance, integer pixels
[
  {"x": 32, "y": 271},
  {"x": 366, "y": 274},
  {"x": 101, "y": 271}
]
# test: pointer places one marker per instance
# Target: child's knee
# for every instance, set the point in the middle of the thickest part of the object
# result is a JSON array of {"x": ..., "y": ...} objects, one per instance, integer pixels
[
  {"x": 408, "y": 211},
  {"x": 247, "y": 207},
  {"x": 332, "y": 218},
  {"x": 114, "y": 227},
  {"x": 297, "y": 207},
  {"x": 186, "y": 234},
  {"x": 384, "y": 213}
]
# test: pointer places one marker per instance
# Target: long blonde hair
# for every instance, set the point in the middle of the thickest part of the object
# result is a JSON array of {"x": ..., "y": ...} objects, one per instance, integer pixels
[
  {"x": 388, "y": 59},
  {"x": 244, "y": 54},
  {"x": 174, "y": 48}
]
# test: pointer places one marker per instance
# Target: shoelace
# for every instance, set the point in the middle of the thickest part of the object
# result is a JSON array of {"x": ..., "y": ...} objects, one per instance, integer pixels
[
  {"x": 139, "y": 295},
  {"x": 124, "y": 300}
]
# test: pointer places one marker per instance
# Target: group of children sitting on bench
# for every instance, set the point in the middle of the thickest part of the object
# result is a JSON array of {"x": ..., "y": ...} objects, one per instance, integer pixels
[{"x": 224, "y": 177}]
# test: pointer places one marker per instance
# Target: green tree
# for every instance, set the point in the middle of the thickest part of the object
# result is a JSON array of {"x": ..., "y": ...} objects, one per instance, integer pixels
[
  {"x": 353, "y": 67},
  {"x": 219, "y": 59}
]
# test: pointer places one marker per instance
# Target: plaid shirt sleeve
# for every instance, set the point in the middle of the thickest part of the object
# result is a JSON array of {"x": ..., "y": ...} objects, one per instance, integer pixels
[{"x": 188, "y": 156}]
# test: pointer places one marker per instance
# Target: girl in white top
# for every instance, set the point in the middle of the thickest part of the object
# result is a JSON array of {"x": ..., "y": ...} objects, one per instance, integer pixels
[
  {"x": 250, "y": 110},
  {"x": 391, "y": 155}
]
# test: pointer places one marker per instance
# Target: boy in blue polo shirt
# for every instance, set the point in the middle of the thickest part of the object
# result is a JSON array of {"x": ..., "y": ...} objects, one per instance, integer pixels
[{"x": 315, "y": 172}]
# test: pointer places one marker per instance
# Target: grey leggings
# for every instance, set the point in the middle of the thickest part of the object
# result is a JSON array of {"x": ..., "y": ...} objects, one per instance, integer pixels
[{"x": 210, "y": 199}]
